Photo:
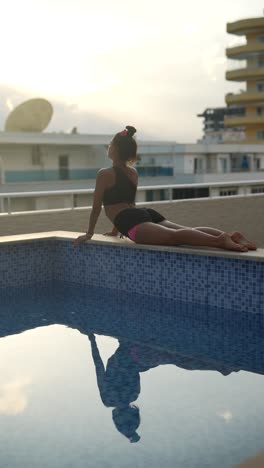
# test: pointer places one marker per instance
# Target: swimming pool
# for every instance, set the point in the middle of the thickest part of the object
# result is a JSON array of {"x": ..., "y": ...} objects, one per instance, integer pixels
[
  {"x": 75, "y": 356},
  {"x": 180, "y": 334}
]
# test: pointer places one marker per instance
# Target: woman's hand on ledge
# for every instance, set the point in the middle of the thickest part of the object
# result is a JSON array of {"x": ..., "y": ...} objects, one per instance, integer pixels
[
  {"x": 113, "y": 233},
  {"x": 110, "y": 233},
  {"x": 82, "y": 239}
]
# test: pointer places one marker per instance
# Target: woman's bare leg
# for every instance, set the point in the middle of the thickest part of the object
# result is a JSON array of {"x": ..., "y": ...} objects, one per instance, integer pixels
[
  {"x": 171, "y": 225},
  {"x": 236, "y": 236},
  {"x": 207, "y": 230},
  {"x": 156, "y": 234}
]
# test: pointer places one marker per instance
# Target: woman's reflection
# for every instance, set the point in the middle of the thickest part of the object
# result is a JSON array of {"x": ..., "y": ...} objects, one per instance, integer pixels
[
  {"x": 119, "y": 386},
  {"x": 119, "y": 382}
]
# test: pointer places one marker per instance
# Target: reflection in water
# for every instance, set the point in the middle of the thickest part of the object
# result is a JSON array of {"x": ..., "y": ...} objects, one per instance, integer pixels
[
  {"x": 119, "y": 382},
  {"x": 151, "y": 332},
  {"x": 119, "y": 386}
]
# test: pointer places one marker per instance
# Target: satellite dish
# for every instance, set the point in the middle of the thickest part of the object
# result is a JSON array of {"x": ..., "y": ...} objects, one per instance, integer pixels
[{"x": 33, "y": 115}]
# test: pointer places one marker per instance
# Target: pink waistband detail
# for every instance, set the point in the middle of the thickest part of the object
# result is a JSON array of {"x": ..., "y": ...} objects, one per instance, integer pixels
[{"x": 132, "y": 233}]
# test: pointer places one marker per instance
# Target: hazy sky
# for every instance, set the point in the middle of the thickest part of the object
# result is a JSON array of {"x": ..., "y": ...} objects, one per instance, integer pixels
[{"x": 107, "y": 63}]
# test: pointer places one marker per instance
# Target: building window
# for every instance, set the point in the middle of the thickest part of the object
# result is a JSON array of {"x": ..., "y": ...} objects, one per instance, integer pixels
[
  {"x": 198, "y": 166},
  {"x": 261, "y": 62},
  {"x": 260, "y": 134},
  {"x": 245, "y": 163},
  {"x": 36, "y": 155},
  {"x": 223, "y": 165},
  {"x": 257, "y": 163},
  {"x": 257, "y": 190},
  {"x": 227, "y": 192},
  {"x": 260, "y": 39},
  {"x": 260, "y": 86},
  {"x": 260, "y": 110},
  {"x": 64, "y": 173}
]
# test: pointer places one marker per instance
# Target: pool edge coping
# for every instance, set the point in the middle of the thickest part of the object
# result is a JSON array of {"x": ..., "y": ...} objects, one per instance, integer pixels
[{"x": 126, "y": 243}]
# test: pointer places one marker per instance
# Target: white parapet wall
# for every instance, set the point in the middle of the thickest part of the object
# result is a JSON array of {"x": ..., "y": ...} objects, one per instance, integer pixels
[{"x": 241, "y": 213}]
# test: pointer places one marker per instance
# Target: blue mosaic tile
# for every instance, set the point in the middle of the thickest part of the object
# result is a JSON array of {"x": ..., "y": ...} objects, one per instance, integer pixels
[
  {"x": 261, "y": 286},
  {"x": 237, "y": 285},
  {"x": 69, "y": 262},
  {"x": 185, "y": 278},
  {"x": 234, "y": 284},
  {"x": 26, "y": 263}
]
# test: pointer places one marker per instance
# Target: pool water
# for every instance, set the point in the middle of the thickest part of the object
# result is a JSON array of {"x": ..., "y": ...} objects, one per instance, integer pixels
[{"x": 102, "y": 378}]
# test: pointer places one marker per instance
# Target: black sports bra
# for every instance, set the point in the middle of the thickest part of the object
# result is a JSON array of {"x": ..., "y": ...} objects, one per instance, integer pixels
[{"x": 123, "y": 191}]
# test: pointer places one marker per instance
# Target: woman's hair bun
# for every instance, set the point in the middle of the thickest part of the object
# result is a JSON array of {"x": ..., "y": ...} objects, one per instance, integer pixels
[{"x": 130, "y": 130}]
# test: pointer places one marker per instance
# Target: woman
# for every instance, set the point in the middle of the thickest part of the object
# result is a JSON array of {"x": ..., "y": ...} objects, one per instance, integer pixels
[{"x": 116, "y": 189}]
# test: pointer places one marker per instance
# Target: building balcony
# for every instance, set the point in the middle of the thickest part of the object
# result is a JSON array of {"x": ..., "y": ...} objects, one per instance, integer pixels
[
  {"x": 245, "y": 74},
  {"x": 244, "y": 51},
  {"x": 246, "y": 26},
  {"x": 48, "y": 175},
  {"x": 154, "y": 171},
  {"x": 254, "y": 120},
  {"x": 245, "y": 98}
]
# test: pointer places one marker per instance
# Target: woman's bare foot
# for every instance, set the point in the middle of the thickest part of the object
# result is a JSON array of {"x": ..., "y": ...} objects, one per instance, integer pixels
[
  {"x": 226, "y": 242},
  {"x": 242, "y": 240}
]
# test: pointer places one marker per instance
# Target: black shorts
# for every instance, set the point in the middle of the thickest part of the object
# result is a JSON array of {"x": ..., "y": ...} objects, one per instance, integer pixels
[{"x": 130, "y": 217}]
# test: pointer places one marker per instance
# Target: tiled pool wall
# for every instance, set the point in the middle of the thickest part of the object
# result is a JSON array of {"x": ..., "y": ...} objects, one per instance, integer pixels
[
  {"x": 26, "y": 263},
  {"x": 236, "y": 284}
]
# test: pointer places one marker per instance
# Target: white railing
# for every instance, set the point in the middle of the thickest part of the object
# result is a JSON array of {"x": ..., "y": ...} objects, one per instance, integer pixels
[{"x": 5, "y": 198}]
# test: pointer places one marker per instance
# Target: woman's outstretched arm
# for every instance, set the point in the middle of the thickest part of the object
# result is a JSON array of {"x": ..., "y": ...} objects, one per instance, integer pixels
[
  {"x": 99, "y": 366},
  {"x": 96, "y": 209}
]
